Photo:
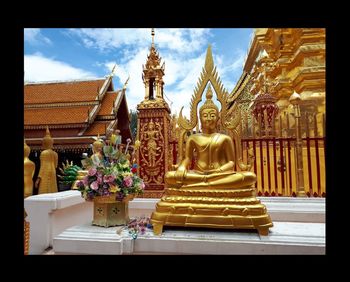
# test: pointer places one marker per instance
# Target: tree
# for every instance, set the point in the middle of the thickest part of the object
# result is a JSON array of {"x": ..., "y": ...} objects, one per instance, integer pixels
[{"x": 133, "y": 124}]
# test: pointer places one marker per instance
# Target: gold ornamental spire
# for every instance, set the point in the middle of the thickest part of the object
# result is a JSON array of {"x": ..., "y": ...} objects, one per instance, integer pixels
[
  {"x": 47, "y": 133},
  {"x": 152, "y": 33}
]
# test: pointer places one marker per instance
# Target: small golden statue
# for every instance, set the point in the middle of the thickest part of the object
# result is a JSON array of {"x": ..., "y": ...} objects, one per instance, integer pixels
[
  {"x": 151, "y": 136},
  {"x": 212, "y": 194},
  {"x": 29, "y": 169},
  {"x": 97, "y": 151},
  {"x": 47, "y": 182}
]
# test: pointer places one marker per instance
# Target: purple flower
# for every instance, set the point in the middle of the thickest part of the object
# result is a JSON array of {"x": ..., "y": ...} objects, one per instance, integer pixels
[
  {"x": 119, "y": 196},
  {"x": 99, "y": 179},
  {"x": 80, "y": 184}
]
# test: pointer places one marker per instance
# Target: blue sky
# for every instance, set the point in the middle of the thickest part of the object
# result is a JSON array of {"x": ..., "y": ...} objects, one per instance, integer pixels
[{"x": 66, "y": 54}]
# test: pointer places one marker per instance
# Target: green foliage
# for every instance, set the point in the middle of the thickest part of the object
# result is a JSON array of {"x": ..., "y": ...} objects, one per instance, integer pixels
[{"x": 133, "y": 123}]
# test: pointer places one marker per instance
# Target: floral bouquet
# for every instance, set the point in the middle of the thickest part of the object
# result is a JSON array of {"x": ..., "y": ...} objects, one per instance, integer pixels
[{"x": 110, "y": 173}]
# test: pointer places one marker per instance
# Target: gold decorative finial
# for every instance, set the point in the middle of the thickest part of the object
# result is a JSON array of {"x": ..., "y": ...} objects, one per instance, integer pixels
[
  {"x": 47, "y": 132},
  {"x": 208, "y": 104},
  {"x": 126, "y": 82},
  {"x": 113, "y": 69},
  {"x": 209, "y": 94},
  {"x": 152, "y": 37}
]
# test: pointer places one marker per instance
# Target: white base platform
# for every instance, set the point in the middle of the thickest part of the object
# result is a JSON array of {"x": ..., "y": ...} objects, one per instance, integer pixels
[{"x": 284, "y": 238}]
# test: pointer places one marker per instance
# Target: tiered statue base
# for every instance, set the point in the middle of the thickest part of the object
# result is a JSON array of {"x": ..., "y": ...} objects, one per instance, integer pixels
[
  {"x": 220, "y": 208},
  {"x": 109, "y": 212}
]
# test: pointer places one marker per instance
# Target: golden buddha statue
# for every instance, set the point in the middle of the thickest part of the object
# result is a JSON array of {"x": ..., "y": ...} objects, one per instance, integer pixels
[
  {"x": 97, "y": 151},
  {"x": 215, "y": 157},
  {"x": 47, "y": 182},
  {"x": 212, "y": 194},
  {"x": 29, "y": 169},
  {"x": 96, "y": 158}
]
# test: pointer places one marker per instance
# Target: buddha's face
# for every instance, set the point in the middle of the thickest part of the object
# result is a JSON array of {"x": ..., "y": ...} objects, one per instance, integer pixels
[
  {"x": 47, "y": 143},
  {"x": 97, "y": 147},
  {"x": 26, "y": 151},
  {"x": 209, "y": 118}
]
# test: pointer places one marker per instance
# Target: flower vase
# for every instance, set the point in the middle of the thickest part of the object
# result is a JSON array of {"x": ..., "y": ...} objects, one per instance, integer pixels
[{"x": 110, "y": 212}]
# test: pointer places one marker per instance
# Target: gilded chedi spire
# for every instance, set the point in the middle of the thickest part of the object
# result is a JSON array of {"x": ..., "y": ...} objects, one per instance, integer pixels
[{"x": 152, "y": 76}]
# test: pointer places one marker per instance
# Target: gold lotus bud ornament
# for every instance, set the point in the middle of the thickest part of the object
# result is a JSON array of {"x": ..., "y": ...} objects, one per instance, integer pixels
[
  {"x": 113, "y": 139},
  {"x": 137, "y": 144}
]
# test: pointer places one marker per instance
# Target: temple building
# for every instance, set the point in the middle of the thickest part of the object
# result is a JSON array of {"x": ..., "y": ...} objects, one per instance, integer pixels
[
  {"x": 75, "y": 112},
  {"x": 281, "y": 61}
]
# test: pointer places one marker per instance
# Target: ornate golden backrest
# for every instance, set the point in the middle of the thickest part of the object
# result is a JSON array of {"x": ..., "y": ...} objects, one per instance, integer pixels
[{"x": 231, "y": 123}]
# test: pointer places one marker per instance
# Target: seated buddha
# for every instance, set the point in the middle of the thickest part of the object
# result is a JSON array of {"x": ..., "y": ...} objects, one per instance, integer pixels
[
  {"x": 215, "y": 157},
  {"x": 212, "y": 194}
]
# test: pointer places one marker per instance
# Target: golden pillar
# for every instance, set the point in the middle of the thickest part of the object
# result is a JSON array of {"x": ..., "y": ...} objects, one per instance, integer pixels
[{"x": 295, "y": 101}]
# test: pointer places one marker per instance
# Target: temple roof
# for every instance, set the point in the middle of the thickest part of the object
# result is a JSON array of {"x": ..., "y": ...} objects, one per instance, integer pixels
[
  {"x": 73, "y": 109},
  {"x": 59, "y": 92},
  {"x": 63, "y": 115},
  {"x": 108, "y": 103}
]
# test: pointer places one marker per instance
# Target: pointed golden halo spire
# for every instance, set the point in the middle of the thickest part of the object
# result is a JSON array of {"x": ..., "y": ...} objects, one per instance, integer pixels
[{"x": 209, "y": 62}]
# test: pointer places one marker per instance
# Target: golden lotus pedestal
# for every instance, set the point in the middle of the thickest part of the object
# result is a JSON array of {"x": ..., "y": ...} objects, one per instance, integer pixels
[
  {"x": 110, "y": 212},
  {"x": 220, "y": 208}
]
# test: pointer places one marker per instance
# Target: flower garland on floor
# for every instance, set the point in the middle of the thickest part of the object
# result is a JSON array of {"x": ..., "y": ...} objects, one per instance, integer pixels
[{"x": 138, "y": 226}]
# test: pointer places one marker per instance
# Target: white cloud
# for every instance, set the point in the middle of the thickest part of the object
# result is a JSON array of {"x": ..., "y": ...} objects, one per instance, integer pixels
[
  {"x": 181, "y": 76},
  {"x": 182, "y": 50},
  {"x": 34, "y": 36},
  {"x": 181, "y": 40},
  {"x": 39, "y": 68}
]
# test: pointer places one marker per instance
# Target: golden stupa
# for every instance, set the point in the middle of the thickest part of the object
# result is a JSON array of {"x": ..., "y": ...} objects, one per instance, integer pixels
[{"x": 212, "y": 194}]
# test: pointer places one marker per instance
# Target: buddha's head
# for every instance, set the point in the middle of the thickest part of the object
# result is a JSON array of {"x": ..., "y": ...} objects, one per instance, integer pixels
[
  {"x": 209, "y": 113},
  {"x": 151, "y": 125},
  {"x": 47, "y": 140},
  {"x": 26, "y": 150}
]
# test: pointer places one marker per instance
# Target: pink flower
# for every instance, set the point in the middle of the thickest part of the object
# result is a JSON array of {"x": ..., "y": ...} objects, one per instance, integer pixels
[
  {"x": 128, "y": 181},
  {"x": 94, "y": 185},
  {"x": 142, "y": 185},
  {"x": 108, "y": 178},
  {"x": 92, "y": 171}
]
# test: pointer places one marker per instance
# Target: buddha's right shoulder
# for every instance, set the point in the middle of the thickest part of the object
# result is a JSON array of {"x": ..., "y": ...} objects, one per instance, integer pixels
[{"x": 192, "y": 137}]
